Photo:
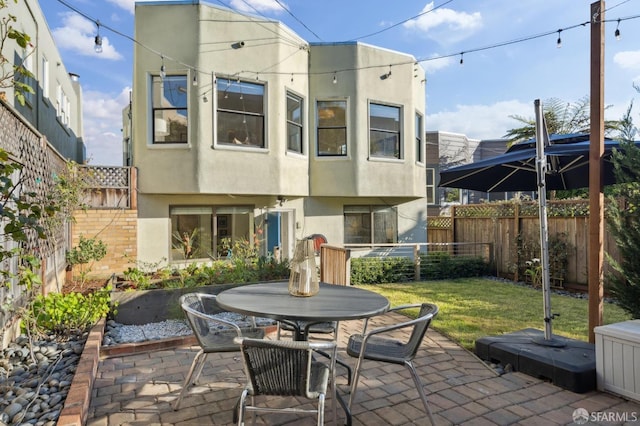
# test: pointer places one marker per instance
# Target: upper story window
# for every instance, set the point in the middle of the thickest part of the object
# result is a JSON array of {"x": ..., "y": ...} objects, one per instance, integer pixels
[
  {"x": 170, "y": 117},
  {"x": 419, "y": 139},
  {"x": 294, "y": 123},
  {"x": 240, "y": 113},
  {"x": 332, "y": 128},
  {"x": 384, "y": 131},
  {"x": 431, "y": 186},
  {"x": 45, "y": 77}
]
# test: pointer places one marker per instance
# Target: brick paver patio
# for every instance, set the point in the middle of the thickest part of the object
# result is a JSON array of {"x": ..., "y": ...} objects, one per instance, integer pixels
[{"x": 139, "y": 389}]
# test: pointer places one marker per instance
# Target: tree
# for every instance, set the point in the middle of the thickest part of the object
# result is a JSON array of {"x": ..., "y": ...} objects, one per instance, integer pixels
[
  {"x": 13, "y": 75},
  {"x": 561, "y": 118},
  {"x": 624, "y": 219}
]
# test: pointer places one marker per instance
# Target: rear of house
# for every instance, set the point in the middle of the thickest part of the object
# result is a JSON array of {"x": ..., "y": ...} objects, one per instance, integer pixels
[{"x": 241, "y": 130}]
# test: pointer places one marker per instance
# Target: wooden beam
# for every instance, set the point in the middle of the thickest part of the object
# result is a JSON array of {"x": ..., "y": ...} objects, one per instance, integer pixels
[{"x": 596, "y": 152}]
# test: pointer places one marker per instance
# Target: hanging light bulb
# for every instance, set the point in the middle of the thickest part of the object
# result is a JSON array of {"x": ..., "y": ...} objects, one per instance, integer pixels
[
  {"x": 205, "y": 99},
  {"x": 98, "y": 44},
  {"x": 163, "y": 71},
  {"x": 559, "y": 42},
  {"x": 617, "y": 33},
  {"x": 292, "y": 77},
  {"x": 98, "y": 40},
  {"x": 195, "y": 79},
  {"x": 335, "y": 78},
  {"x": 461, "y": 58}
]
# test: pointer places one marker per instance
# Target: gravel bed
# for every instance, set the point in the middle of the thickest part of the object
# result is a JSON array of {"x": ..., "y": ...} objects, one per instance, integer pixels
[
  {"x": 116, "y": 333},
  {"x": 35, "y": 377}
]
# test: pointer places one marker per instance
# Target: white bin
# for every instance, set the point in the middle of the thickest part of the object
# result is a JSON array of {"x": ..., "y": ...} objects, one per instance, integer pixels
[{"x": 618, "y": 358}]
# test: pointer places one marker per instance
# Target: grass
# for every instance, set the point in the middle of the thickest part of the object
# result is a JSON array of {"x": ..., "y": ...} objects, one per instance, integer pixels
[{"x": 472, "y": 308}]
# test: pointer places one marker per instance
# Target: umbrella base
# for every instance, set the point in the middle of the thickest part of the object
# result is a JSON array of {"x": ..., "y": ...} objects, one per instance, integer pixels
[
  {"x": 570, "y": 366},
  {"x": 551, "y": 342}
]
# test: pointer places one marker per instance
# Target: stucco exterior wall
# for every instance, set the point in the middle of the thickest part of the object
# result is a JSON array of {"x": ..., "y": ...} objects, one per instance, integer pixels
[{"x": 40, "y": 107}]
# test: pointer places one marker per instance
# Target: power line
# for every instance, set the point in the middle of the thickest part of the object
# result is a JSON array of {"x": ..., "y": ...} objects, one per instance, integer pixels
[
  {"x": 414, "y": 61},
  {"x": 402, "y": 22},
  {"x": 296, "y": 18}
]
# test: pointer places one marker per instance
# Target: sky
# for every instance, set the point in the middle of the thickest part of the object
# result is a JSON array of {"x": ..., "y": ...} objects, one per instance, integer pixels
[{"x": 512, "y": 57}]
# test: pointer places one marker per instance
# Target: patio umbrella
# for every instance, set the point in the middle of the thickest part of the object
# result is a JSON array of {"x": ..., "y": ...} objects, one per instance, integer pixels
[
  {"x": 545, "y": 163},
  {"x": 515, "y": 170}
]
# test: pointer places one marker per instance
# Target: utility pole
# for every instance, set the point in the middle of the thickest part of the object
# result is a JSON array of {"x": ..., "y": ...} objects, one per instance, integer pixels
[{"x": 596, "y": 152}]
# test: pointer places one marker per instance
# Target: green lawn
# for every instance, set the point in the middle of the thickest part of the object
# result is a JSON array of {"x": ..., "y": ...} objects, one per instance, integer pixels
[{"x": 475, "y": 307}]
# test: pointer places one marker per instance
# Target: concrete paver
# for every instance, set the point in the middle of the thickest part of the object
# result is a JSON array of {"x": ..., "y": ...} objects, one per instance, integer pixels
[{"x": 139, "y": 389}]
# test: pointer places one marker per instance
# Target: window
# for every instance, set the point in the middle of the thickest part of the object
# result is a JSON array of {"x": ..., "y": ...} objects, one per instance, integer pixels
[
  {"x": 205, "y": 232},
  {"x": 419, "y": 137},
  {"x": 384, "y": 131},
  {"x": 45, "y": 77},
  {"x": 169, "y": 109},
  {"x": 332, "y": 128},
  {"x": 370, "y": 224},
  {"x": 294, "y": 123},
  {"x": 240, "y": 114},
  {"x": 431, "y": 186},
  {"x": 25, "y": 75}
]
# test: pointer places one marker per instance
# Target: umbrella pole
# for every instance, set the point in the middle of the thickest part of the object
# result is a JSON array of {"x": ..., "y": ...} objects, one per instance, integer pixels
[{"x": 542, "y": 139}]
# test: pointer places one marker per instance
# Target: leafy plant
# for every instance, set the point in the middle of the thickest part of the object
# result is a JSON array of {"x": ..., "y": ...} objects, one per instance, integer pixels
[
  {"x": 624, "y": 223},
  {"x": 18, "y": 73},
  {"x": 533, "y": 270},
  {"x": 88, "y": 251},
  {"x": 66, "y": 313}
]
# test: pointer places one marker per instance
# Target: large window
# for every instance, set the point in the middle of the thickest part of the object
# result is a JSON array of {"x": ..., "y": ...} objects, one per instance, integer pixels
[
  {"x": 332, "y": 128},
  {"x": 384, "y": 131},
  {"x": 294, "y": 123},
  {"x": 45, "y": 78},
  {"x": 370, "y": 224},
  {"x": 240, "y": 114},
  {"x": 419, "y": 139},
  {"x": 170, "y": 122},
  {"x": 205, "y": 232}
]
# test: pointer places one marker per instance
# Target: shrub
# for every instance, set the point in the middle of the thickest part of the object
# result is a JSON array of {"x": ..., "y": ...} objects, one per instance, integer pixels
[
  {"x": 369, "y": 270},
  {"x": 442, "y": 265},
  {"x": 66, "y": 313}
]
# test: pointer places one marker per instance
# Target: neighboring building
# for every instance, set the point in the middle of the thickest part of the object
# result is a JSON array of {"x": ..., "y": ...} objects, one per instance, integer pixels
[
  {"x": 55, "y": 109},
  {"x": 254, "y": 133},
  {"x": 445, "y": 150}
]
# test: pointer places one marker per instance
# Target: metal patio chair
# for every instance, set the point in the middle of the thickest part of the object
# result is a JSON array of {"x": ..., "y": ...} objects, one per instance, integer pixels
[
  {"x": 214, "y": 334},
  {"x": 374, "y": 345},
  {"x": 284, "y": 368}
]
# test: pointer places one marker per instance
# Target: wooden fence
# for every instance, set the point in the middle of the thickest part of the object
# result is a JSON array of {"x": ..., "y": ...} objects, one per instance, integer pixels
[{"x": 514, "y": 230}]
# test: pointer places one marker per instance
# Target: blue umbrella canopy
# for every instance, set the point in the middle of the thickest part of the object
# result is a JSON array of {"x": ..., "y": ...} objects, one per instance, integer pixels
[{"x": 515, "y": 170}]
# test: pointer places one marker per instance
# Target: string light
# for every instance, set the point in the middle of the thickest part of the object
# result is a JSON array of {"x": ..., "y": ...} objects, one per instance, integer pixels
[
  {"x": 617, "y": 33},
  {"x": 335, "y": 78},
  {"x": 461, "y": 58},
  {"x": 195, "y": 79},
  {"x": 98, "y": 40},
  {"x": 163, "y": 71}
]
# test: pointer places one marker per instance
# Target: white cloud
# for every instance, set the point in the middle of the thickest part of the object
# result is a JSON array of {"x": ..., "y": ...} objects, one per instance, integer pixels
[
  {"x": 128, "y": 5},
  {"x": 628, "y": 60},
  {"x": 78, "y": 35},
  {"x": 433, "y": 65},
  {"x": 102, "y": 126},
  {"x": 445, "y": 25},
  {"x": 480, "y": 121},
  {"x": 259, "y": 5}
]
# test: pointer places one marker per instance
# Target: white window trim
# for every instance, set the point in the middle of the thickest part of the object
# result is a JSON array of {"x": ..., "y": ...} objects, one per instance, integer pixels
[{"x": 348, "y": 125}]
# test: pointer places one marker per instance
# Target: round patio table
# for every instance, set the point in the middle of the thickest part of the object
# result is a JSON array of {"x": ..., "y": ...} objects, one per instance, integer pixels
[{"x": 331, "y": 303}]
